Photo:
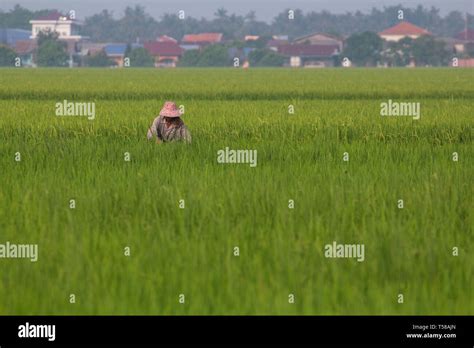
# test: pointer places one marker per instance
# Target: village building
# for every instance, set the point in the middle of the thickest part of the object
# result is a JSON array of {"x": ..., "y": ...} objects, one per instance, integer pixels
[
  {"x": 274, "y": 43},
  {"x": 25, "y": 50},
  {"x": 9, "y": 37},
  {"x": 116, "y": 52},
  {"x": 463, "y": 45},
  {"x": 165, "y": 53},
  {"x": 166, "y": 38},
  {"x": 198, "y": 41},
  {"x": 453, "y": 45},
  {"x": 66, "y": 27},
  {"x": 463, "y": 40},
  {"x": 402, "y": 30},
  {"x": 466, "y": 35},
  {"x": 309, "y": 56},
  {"x": 251, "y": 37},
  {"x": 320, "y": 39},
  {"x": 466, "y": 63},
  {"x": 88, "y": 48}
]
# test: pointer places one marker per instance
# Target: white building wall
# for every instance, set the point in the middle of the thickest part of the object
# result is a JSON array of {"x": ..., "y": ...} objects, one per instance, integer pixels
[
  {"x": 396, "y": 38},
  {"x": 63, "y": 28}
]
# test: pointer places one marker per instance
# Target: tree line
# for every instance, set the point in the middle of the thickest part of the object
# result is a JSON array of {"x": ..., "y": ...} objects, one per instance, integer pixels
[{"x": 137, "y": 25}]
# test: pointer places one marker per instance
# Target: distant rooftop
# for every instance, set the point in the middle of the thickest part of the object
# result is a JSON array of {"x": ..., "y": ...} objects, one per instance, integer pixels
[
  {"x": 166, "y": 38},
  {"x": 11, "y": 36},
  {"x": 202, "y": 38},
  {"x": 405, "y": 28},
  {"x": 115, "y": 49},
  {"x": 25, "y": 46},
  {"x": 166, "y": 48},
  {"x": 324, "y": 35},
  {"x": 466, "y": 35}
]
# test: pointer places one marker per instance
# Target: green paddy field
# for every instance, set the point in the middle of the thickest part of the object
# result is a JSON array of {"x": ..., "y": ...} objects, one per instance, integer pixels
[{"x": 134, "y": 204}]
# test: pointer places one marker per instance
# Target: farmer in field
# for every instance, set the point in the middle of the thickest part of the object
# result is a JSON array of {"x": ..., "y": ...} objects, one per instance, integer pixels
[{"x": 168, "y": 126}]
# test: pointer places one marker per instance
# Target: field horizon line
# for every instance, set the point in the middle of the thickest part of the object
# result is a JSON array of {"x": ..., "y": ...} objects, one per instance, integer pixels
[{"x": 234, "y": 97}]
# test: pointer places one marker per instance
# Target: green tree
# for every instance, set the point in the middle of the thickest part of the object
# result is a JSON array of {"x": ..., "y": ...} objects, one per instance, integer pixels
[
  {"x": 189, "y": 58},
  {"x": 271, "y": 59},
  {"x": 398, "y": 53},
  {"x": 364, "y": 49},
  {"x": 7, "y": 56},
  {"x": 102, "y": 27},
  {"x": 451, "y": 24},
  {"x": 140, "y": 57},
  {"x": 136, "y": 24},
  {"x": 51, "y": 51},
  {"x": 265, "y": 57},
  {"x": 221, "y": 13},
  {"x": 19, "y": 17},
  {"x": 427, "y": 51},
  {"x": 214, "y": 55},
  {"x": 99, "y": 60}
]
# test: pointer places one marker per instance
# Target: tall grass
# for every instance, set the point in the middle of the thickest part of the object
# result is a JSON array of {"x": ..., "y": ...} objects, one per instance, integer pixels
[{"x": 190, "y": 250}]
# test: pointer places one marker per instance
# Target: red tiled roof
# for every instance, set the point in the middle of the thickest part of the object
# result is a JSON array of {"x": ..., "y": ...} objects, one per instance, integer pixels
[
  {"x": 157, "y": 48},
  {"x": 308, "y": 50},
  {"x": 466, "y": 35},
  {"x": 52, "y": 16},
  {"x": 405, "y": 28},
  {"x": 25, "y": 46},
  {"x": 202, "y": 38}
]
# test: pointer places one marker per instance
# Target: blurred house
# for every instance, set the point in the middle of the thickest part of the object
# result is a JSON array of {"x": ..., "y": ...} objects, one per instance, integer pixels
[
  {"x": 280, "y": 37},
  {"x": 466, "y": 35},
  {"x": 242, "y": 53},
  {"x": 166, "y": 38},
  {"x": 453, "y": 45},
  {"x": 9, "y": 37},
  {"x": 66, "y": 27},
  {"x": 193, "y": 41},
  {"x": 273, "y": 44},
  {"x": 188, "y": 47},
  {"x": 88, "y": 49},
  {"x": 320, "y": 39},
  {"x": 91, "y": 48},
  {"x": 116, "y": 52},
  {"x": 401, "y": 30},
  {"x": 466, "y": 63},
  {"x": 251, "y": 37},
  {"x": 304, "y": 55},
  {"x": 165, "y": 53},
  {"x": 25, "y": 50},
  {"x": 464, "y": 39},
  {"x": 460, "y": 44}
]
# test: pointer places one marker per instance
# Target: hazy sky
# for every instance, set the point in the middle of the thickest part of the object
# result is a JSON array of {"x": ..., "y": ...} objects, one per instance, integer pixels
[{"x": 265, "y": 9}]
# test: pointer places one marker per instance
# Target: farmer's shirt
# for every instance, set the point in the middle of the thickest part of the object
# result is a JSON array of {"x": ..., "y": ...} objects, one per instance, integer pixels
[{"x": 175, "y": 132}]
